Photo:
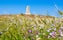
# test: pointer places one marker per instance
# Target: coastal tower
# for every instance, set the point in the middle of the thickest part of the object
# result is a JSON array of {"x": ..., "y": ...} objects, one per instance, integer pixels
[{"x": 28, "y": 10}]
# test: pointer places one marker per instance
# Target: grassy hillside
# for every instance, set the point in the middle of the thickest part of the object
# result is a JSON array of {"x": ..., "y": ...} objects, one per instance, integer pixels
[{"x": 30, "y": 27}]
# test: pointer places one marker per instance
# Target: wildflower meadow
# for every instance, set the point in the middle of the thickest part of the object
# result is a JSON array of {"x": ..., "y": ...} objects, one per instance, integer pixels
[{"x": 30, "y": 27}]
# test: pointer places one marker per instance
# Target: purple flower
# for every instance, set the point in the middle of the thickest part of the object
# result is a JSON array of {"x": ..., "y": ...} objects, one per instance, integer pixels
[
  {"x": 53, "y": 34},
  {"x": 60, "y": 31},
  {"x": 30, "y": 31}
]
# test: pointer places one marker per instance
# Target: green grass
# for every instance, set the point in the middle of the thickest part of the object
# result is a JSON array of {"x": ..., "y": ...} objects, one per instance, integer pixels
[{"x": 30, "y": 27}]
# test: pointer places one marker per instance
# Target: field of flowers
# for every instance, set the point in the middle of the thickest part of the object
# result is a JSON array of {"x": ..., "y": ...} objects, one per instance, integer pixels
[{"x": 30, "y": 27}]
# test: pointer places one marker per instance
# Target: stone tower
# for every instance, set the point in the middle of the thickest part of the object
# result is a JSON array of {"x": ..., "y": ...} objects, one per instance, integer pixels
[{"x": 28, "y": 10}]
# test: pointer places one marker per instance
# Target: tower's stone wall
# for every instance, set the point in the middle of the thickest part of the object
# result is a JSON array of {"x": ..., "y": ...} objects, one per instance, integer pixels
[{"x": 28, "y": 10}]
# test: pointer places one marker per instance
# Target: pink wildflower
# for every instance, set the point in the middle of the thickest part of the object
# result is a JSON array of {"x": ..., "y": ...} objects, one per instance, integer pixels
[
  {"x": 53, "y": 34},
  {"x": 30, "y": 31}
]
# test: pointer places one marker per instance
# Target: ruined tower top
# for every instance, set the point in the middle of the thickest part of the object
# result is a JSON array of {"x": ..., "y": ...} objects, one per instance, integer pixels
[{"x": 28, "y": 10}]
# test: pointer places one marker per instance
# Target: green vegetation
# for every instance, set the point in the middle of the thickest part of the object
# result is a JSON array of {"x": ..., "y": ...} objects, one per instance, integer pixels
[{"x": 30, "y": 27}]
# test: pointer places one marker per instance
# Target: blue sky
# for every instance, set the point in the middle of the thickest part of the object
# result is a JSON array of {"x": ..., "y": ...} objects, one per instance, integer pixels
[{"x": 40, "y": 7}]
